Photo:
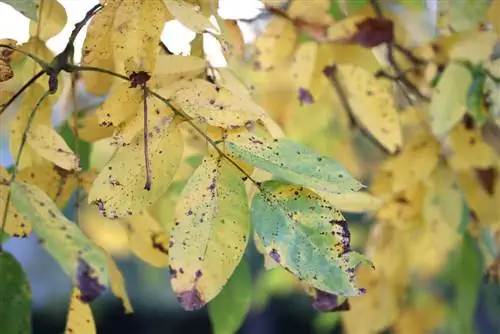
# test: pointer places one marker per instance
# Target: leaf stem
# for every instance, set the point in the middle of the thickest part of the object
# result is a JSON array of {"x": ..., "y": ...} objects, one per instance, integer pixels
[
  {"x": 147, "y": 186},
  {"x": 18, "y": 158},
  {"x": 39, "y": 61},
  {"x": 21, "y": 90},
  {"x": 331, "y": 73}
]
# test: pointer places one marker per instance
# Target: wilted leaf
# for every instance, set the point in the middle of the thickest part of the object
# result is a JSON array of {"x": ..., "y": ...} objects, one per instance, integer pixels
[
  {"x": 46, "y": 142},
  {"x": 76, "y": 254},
  {"x": 293, "y": 162},
  {"x": 15, "y": 296},
  {"x": 307, "y": 236},
  {"x": 210, "y": 232},
  {"x": 80, "y": 319},
  {"x": 119, "y": 190},
  {"x": 52, "y": 18},
  {"x": 236, "y": 296}
]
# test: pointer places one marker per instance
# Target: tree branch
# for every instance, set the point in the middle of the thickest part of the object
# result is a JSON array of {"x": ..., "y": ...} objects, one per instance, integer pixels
[
  {"x": 21, "y": 90},
  {"x": 147, "y": 162}
]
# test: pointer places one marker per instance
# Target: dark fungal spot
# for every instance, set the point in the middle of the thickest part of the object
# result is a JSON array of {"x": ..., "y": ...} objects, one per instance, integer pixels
[
  {"x": 198, "y": 274},
  {"x": 173, "y": 272},
  {"x": 327, "y": 302},
  {"x": 275, "y": 256},
  {"x": 305, "y": 97},
  {"x": 157, "y": 244},
  {"x": 190, "y": 300},
  {"x": 88, "y": 284},
  {"x": 487, "y": 177}
]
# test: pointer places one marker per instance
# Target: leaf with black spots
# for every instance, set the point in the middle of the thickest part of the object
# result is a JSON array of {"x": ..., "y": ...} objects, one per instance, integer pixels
[{"x": 80, "y": 319}]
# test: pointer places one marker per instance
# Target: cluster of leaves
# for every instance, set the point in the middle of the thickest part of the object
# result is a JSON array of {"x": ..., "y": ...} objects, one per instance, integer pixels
[{"x": 197, "y": 167}]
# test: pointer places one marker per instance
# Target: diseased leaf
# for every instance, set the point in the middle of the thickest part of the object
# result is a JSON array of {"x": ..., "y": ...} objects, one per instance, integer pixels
[
  {"x": 236, "y": 296},
  {"x": 210, "y": 232},
  {"x": 357, "y": 202},
  {"x": 171, "y": 68},
  {"x": 148, "y": 240},
  {"x": 121, "y": 104},
  {"x": 218, "y": 106},
  {"x": 275, "y": 44},
  {"x": 119, "y": 190},
  {"x": 307, "y": 236},
  {"x": 372, "y": 103},
  {"x": 26, "y": 7},
  {"x": 189, "y": 16},
  {"x": 46, "y": 142},
  {"x": 52, "y": 18},
  {"x": 89, "y": 129},
  {"x": 16, "y": 225},
  {"x": 449, "y": 101},
  {"x": 80, "y": 319},
  {"x": 76, "y": 254},
  {"x": 292, "y": 162},
  {"x": 15, "y": 296}
]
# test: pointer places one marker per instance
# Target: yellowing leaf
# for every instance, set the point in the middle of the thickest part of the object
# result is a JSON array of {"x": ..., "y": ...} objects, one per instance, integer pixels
[
  {"x": 89, "y": 129},
  {"x": 121, "y": 104},
  {"x": 52, "y": 18},
  {"x": 215, "y": 105},
  {"x": 42, "y": 116},
  {"x": 352, "y": 202},
  {"x": 119, "y": 190},
  {"x": 171, "y": 68},
  {"x": 449, "y": 100},
  {"x": 189, "y": 16},
  {"x": 118, "y": 285},
  {"x": 307, "y": 236},
  {"x": 476, "y": 47},
  {"x": 210, "y": 232},
  {"x": 16, "y": 225},
  {"x": 78, "y": 257},
  {"x": 293, "y": 162},
  {"x": 372, "y": 103},
  {"x": 80, "y": 319},
  {"x": 97, "y": 49},
  {"x": 135, "y": 44},
  {"x": 276, "y": 44},
  {"x": 46, "y": 142},
  {"x": 148, "y": 240}
]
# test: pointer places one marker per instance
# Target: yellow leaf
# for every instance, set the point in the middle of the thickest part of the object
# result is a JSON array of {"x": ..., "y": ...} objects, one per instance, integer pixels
[
  {"x": 345, "y": 28},
  {"x": 120, "y": 105},
  {"x": 372, "y": 103},
  {"x": 52, "y": 18},
  {"x": 357, "y": 202},
  {"x": 89, "y": 129},
  {"x": 215, "y": 105},
  {"x": 16, "y": 225},
  {"x": 276, "y": 44},
  {"x": 118, "y": 285},
  {"x": 135, "y": 44},
  {"x": 189, "y": 16},
  {"x": 42, "y": 117},
  {"x": 80, "y": 319},
  {"x": 46, "y": 142},
  {"x": 476, "y": 47},
  {"x": 210, "y": 232},
  {"x": 119, "y": 190},
  {"x": 229, "y": 80},
  {"x": 171, "y": 68},
  {"x": 494, "y": 15},
  {"x": 148, "y": 240},
  {"x": 97, "y": 49}
]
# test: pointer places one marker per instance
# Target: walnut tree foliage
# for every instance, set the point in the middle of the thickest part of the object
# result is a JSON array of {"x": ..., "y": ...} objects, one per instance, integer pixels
[{"x": 379, "y": 108}]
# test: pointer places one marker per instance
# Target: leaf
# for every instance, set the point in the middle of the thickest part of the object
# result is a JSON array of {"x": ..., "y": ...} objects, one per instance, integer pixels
[
  {"x": 372, "y": 103},
  {"x": 236, "y": 296},
  {"x": 467, "y": 15},
  {"x": 476, "y": 47},
  {"x": 292, "y": 162},
  {"x": 449, "y": 100},
  {"x": 52, "y": 19},
  {"x": 357, "y": 202},
  {"x": 218, "y": 106},
  {"x": 89, "y": 129},
  {"x": 6, "y": 72},
  {"x": 118, "y": 285},
  {"x": 97, "y": 50},
  {"x": 135, "y": 44},
  {"x": 190, "y": 17},
  {"x": 15, "y": 296},
  {"x": 76, "y": 254},
  {"x": 120, "y": 105},
  {"x": 118, "y": 190},
  {"x": 80, "y": 319},
  {"x": 307, "y": 236},
  {"x": 210, "y": 232},
  {"x": 275, "y": 44},
  {"x": 148, "y": 240},
  {"x": 46, "y": 142},
  {"x": 26, "y": 7},
  {"x": 171, "y": 68},
  {"x": 16, "y": 225}
]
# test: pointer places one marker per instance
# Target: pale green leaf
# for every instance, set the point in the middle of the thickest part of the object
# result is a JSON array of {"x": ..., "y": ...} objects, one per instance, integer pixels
[
  {"x": 307, "y": 236},
  {"x": 293, "y": 162},
  {"x": 236, "y": 296},
  {"x": 210, "y": 232},
  {"x": 28, "y": 8}
]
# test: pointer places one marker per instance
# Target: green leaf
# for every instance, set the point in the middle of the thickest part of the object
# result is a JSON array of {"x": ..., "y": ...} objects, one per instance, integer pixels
[
  {"x": 292, "y": 162},
  {"x": 28, "y": 8},
  {"x": 307, "y": 236},
  {"x": 475, "y": 98},
  {"x": 236, "y": 297},
  {"x": 79, "y": 258},
  {"x": 15, "y": 297},
  {"x": 467, "y": 15},
  {"x": 210, "y": 232},
  {"x": 82, "y": 148},
  {"x": 449, "y": 102}
]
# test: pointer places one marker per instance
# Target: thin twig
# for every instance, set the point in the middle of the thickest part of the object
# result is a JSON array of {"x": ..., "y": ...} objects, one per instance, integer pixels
[
  {"x": 21, "y": 90},
  {"x": 39, "y": 61},
  {"x": 331, "y": 73},
  {"x": 147, "y": 186},
  {"x": 18, "y": 158}
]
